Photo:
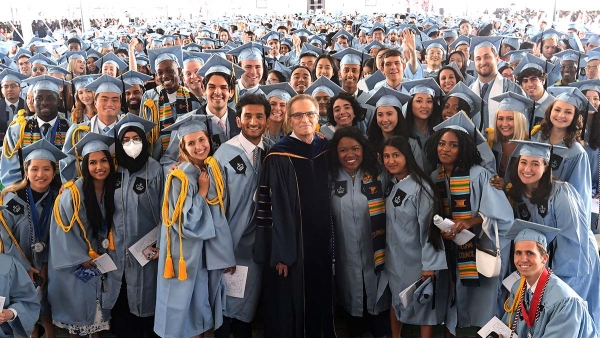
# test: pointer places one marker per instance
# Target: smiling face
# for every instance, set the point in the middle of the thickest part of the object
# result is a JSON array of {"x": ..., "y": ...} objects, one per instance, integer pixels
[
  {"x": 304, "y": 126},
  {"x": 394, "y": 161},
  {"x": 447, "y": 80},
  {"x": 349, "y": 75},
  {"x": 324, "y": 68},
  {"x": 46, "y": 104},
  {"x": 434, "y": 57},
  {"x": 531, "y": 169},
  {"x": 422, "y": 106},
  {"x": 562, "y": 114},
  {"x": 451, "y": 107},
  {"x": 278, "y": 109},
  {"x": 39, "y": 69},
  {"x": 392, "y": 69},
  {"x": 98, "y": 165},
  {"x": 133, "y": 96},
  {"x": 343, "y": 113},
  {"x": 387, "y": 119},
  {"x": 253, "y": 73},
  {"x": 86, "y": 96},
  {"x": 448, "y": 148},
  {"x": 594, "y": 97},
  {"x": 168, "y": 74},
  {"x": 300, "y": 80},
  {"x": 108, "y": 106},
  {"x": 217, "y": 93},
  {"x": 528, "y": 259},
  {"x": 533, "y": 87},
  {"x": 192, "y": 80},
  {"x": 109, "y": 69},
  {"x": 323, "y": 100},
  {"x": 486, "y": 62},
  {"x": 505, "y": 123},
  {"x": 197, "y": 145},
  {"x": 350, "y": 154},
  {"x": 253, "y": 122},
  {"x": 40, "y": 174}
]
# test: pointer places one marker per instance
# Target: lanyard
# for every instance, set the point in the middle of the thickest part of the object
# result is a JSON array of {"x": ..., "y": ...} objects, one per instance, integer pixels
[
  {"x": 40, "y": 225},
  {"x": 530, "y": 316}
]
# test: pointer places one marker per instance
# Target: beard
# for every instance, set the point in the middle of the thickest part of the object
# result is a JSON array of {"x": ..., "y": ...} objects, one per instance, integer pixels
[{"x": 134, "y": 104}]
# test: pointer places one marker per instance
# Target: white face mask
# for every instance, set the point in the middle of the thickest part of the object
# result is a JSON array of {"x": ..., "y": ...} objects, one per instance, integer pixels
[{"x": 133, "y": 150}]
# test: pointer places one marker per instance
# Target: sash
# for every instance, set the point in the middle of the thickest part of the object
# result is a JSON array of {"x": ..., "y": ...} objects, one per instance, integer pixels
[
  {"x": 183, "y": 105},
  {"x": 373, "y": 190}
]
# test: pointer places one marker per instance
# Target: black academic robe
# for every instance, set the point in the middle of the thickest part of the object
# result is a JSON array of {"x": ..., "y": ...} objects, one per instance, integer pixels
[
  {"x": 295, "y": 228},
  {"x": 4, "y": 120}
]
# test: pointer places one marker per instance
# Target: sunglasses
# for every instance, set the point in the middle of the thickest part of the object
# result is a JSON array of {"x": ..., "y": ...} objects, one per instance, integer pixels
[{"x": 40, "y": 69}]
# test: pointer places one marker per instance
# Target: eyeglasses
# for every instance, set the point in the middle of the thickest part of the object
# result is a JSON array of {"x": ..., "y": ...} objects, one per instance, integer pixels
[
  {"x": 10, "y": 86},
  {"x": 40, "y": 69},
  {"x": 322, "y": 99},
  {"x": 300, "y": 116},
  {"x": 567, "y": 67}
]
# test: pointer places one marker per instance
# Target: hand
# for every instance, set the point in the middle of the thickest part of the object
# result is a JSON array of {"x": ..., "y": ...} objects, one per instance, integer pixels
[
  {"x": 62, "y": 187},
  {"x": 173, "y": 167},
  {"x": 203, "y": 184},
  {"x": 427, "y": 274},
  {"x": 320, "y": 135},
  {"x": 497, "y": 182},
  {"x": 597, "y": 196},
  {"x": 448, "y": 235},
  {"x": 231, "y": 269},
  {"x": 133, "y": 43},
  {"x": 88, "y": 264},
  {"x": 31, "y": 272},
  {"x": 155, "y": 251},
  {"x": 296, "y": 40},
  {"x": 6, "y": 315},
  {"x": 409, "y": 39},
  {"x": 282, "y": 268}
]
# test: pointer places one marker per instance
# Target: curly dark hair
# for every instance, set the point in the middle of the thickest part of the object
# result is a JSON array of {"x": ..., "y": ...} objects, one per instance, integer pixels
[
  {"x": 231, "y": 80},
  {"x": 468, "y": 155},
  {"x": 369, "y": 162},
  {"x": 424, "y": 181},
  {"x": 359, "y": 111},
  {"x": 540, "y": 195},
  {"x": 433, "y": 120},
  {"x": 257, "y": 99},
  {"x": 529, "y": 72},
  {"x": 375, "y": 134},
  {"x": 573, "y": 130},
  {"x": 594, "y": 130},
  {"x": 335, "y": 77}
]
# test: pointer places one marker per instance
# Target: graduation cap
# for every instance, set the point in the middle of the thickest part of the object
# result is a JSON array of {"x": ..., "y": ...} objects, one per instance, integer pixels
[
  {"x": 425, "y": 292},
  {"x": 111, "y": 59},
  {"x": 374, "y": 79},
  {"x": 317, "y": 40},
  {"x": 547, "y": 34},
  {"x": 582, "y": 85},
  {"x": 575, "y": 42},
  {"x": 465, "y": 93},
  {"x": 323, "y": 85},
  {"x": 570, "y": 55},
  {"x": 217, "y": 64},
  {"x": 535, "y": 149},
  {"x": 79, "y": 54},
  {"x": 302, "y": 32},
  {"x": 282, "y": 91},
  {"x": 436, "y": 43},
  {"x": 593, "y": 40},
  {"x": 285, "y": 71},
  {"x": 192, "y": 47},
  {"x": 108, "y": 84},
  {"x": 422, "y": 86},
  {"x": 142, "y": 60},
  {"x": 485, "y": 41},
  {"x": 272, "y": 36},
  {"x": 461, "y": 40},
  {"x": 20, "y": 52},
  {"x": 531, "y": 61},
  {"x": 132, "y": 120},
  {"x": 308, "y": 49},
  {"x": 84, "y": 80},
  {"x": 94, "y": 53},
  {"x": 522, "y": 230},
  {"x": 386, "y": 97},
  {"x": 515, "y": 102},
  {"x": 512, "y": 41},
  {"x": 188, "y": 124},
  {"x": 46, "y": 82},
  {"x": 41, "y": 59},
  {"x": 91, "y": 143},
  {"x": 168, "y": 38},
  {"x": 343, "y": 32},
  {"x": 449, "y": 33},
  {"x": 250, "y": 51},
  {"x": 461, "y": 122},
  {"x": 60, "y": 69},
  {"x": 432, "y": 29},
  {"x": 373, "y": 44},
  {"x": 8, "y": 75},
  {"x": 351, "y": 56},
  {"x": 156, "y": 56},
  {"x": 195, "y": 56},
  {"x": 518, "y": 55},
  {"x": 135, "y": 78},
  {"x": 42, "y": 150},
  {"x": 573, "y": 96}
]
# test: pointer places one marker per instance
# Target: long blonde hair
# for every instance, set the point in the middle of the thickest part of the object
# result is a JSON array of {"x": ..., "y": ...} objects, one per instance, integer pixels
[
  {"x": 79, "y": 109},
  {"x": 184, "y": 156},
  {"x": 520, "y": 128}
]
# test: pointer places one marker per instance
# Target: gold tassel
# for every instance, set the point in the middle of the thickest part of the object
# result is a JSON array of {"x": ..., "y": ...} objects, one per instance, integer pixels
[
  {"x": 169, "y": 272},
  {"x": 490, "y": 138},
  {"x": 93, "y": 255},
  {"x": 535, "y": 129},
  {"x": 182, "y": 269},
  {"x": 111, "y": 240}
]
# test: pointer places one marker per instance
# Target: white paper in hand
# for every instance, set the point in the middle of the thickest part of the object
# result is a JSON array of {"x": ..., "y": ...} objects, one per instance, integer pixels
[
  {"x": 236, "y": 283},
  {"x": 461, "y": 238},
  {"x": 509, "y": 281},
  {"x": 137, "y": 249},
  {"x": 497, "y": 326},
  {"x": 2, "y": 300},
  {"x": 105, "y": 264},
  {"x": 595, "y": 205},
  {"x": 406, "y": 296}
]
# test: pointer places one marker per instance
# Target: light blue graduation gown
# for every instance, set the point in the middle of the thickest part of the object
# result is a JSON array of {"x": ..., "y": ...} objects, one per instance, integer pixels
[
  {"x": 355, "y": 263},
  {"x": 475, "y": 306},
  {"x": 594, "y": 162},
  {"x": 575, "y": 259},
  {"x": 20, "y": 294},
  {"x": 184, "y": 306},
  {"x": 240, "y": 206},
  {"x": 540, "y": 108},
  {"x": 220, "y": 255},
  {"x": 563, "y": 314},
  {"x": 18, "y": 219},
  {"x": 364, "y": 124},
  {"x": 73, "y": 301},
  {"x": 409, "y": 212},
  {"x": 572, "y": 165},
  {"x": 138, "y": 202}
]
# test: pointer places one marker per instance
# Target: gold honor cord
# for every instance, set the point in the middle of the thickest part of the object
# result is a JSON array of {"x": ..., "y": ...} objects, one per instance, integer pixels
[
  {"x": 22, "y": 122},
  {"x": 516, "y": 301},
  {"x": 169, "y": 221}
]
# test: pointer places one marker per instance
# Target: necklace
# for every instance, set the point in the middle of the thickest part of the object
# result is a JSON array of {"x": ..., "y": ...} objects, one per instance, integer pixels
[{"x": 353, "y": 175}]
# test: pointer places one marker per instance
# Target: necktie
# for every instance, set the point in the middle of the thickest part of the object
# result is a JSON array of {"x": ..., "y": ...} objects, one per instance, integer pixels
[
  {"x": 105, "y": 130},
  {"x": 484, "y": 89},
  {"x": 45, "y": 128},
  {"x": 222, "y": 124},
  {"x": 528, "y": 297},
  {"x": 13, "y": 108},
  {"x": 242, "y": 92},
  {"x": 255, "y": 157}
]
